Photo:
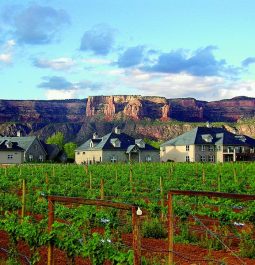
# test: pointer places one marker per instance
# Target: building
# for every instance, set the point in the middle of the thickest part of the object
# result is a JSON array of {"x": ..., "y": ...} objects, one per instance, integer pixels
[
  {"x": 208, "y": 144},
  {"x": 11, "y": 153},
  {"x": 32, "y": 146},
  {"x": 115, "y": 147}
]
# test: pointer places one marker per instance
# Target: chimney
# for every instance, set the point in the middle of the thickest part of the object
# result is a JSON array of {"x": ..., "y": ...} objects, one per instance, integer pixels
[
  {"x": 18, "y": 133},
  {"x": 117, "y": 130},
  {"x": 95, "y": 135}
]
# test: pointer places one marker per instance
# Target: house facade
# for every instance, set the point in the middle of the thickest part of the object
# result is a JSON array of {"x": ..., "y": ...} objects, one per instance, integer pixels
[
  {"x": 208, "y": 144},
  {"x": 11, "y": 153},
  {"x": 33, "y": 148},
  {"x": 115, "y": 147}
]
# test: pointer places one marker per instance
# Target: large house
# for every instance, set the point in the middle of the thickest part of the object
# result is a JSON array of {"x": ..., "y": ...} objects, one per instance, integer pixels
[
  {"x": 115, "y": 147},
  {"x": 34, "y": 150},
  {"x": 208, "y": 144},
  {"x": 11, "y": 153}
]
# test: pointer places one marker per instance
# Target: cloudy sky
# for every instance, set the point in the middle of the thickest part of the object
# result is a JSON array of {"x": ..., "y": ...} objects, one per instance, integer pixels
[{"x": 62, "y": 49}]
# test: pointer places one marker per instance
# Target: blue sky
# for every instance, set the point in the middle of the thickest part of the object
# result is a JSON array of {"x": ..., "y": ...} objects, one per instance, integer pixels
[{"x": 61, "y": 49}]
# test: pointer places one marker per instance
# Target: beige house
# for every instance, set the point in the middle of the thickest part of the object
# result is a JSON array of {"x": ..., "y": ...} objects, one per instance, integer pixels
[
  {"x": 115, "y": 147},
  {"x": 208, "y": 144},
  {"x": 11, "y": 153}
]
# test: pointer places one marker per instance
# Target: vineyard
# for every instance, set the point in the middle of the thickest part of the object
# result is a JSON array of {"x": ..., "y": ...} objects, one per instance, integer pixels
[{"x": 118, "y": 213}]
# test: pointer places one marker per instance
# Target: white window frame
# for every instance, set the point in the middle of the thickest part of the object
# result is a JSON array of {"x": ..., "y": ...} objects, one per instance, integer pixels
[
  {"x": 113, "y": 159},
  {"x": 211, "y": 158},
  {"x": 187, "y": 147},
  {"x": 41, "y": 158},
  {"x": 10, "y": 156},
  {"x": 211, "y": 148},
  {"x": 30, "y": 157},
  {"x": 203, "y": 158},
  {"x": 202, "y": 148},
  {"x": 148, "y": 158},
  {"x": 187, "y": 159}
]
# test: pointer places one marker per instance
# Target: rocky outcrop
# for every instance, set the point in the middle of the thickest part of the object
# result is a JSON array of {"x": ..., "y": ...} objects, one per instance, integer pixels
[
  {"x": 134, "y": 109},
  {"x": 165, "y": 113}
]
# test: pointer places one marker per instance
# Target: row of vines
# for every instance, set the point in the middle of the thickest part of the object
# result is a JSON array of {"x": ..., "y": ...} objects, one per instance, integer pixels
[{"x": 89, "y": 234}]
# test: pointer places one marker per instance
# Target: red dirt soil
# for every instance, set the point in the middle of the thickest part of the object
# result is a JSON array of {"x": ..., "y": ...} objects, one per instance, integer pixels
[{"x": 151, "y": 248}]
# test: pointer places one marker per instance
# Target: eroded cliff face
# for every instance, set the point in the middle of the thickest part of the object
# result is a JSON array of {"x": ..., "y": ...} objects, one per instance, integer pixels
[
  {"x": 134, "y": 107},
  {"x": 78, "y": 119}
]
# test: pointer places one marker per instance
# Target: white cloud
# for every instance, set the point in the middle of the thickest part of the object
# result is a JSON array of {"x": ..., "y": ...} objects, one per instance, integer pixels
[
  {"x": 96, "y": 61},
  {"x": 7, "y": 52},
  {"x": 60, "y": 94},
  {"x": 173, "y": 85},
  {"x": 5, "y": 58},
  {"x": 62, "y": 63}
]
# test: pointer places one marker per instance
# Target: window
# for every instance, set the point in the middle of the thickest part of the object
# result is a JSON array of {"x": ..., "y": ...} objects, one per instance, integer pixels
[
  {"x": 218, "y": 147},
  {"x": 211, "y": 158},
  {"x": 41, "y": 158},
  {"x": 187, "y": 147},
  {"x": 148, "y": 158},
  {"x": 91, "y": 144},
  {"x": 83, "y": 153},
  {"x": 202, "y": 158},
  {"x": 10, "y": 156},
  {"x": 187, "y": 159},
  {"x": 113, "y": 159},
  {"x": 203, "y": 148},
  {"x": 163, "y": 149},
  {"x": 30, "y": 157},
  {"x": 78, "y": 153},
  {"x": 211, "y": 148}
]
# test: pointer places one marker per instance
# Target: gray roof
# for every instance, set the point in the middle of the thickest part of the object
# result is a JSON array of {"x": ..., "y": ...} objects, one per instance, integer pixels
[
  {"x": 220, "y": 136},
  {"x": 104, "y": 143},
  {"x": 23, "y": 141},
  {"x": 14, "y": 146}
]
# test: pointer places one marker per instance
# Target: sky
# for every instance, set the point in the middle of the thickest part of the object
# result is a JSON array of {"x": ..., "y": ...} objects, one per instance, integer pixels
[{"x": 64, "y": 49}]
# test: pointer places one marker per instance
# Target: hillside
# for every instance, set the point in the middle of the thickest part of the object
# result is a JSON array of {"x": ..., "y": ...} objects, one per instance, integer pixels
[{"x": 152, "y": 117}]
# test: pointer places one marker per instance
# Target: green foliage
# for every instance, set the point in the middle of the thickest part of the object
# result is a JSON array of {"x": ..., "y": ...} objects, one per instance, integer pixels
[
  {"x": 58, "y": 139},
  {"x": 247, "y": 245},
  {"x": 155, "y": 144},
  {"x": 153, "y": 228},
  {"x": 69, "y": 149}
]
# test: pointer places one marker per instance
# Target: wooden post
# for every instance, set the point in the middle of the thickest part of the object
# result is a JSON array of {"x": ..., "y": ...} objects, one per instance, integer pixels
[
  {"x": 161, "y": 198},
  {"x": 23, "y": 209},
  {"x": 86, "y": 169},
  {"x": 131, "y": 178},
  {"x": 50, "y": 223},
  {"x": 102, "y": 189},
  {"x": 170, "y": 218},
  {"x": 90, "y": 181},
  {"x": 203, "y": 175},
  {"x": 219, "y": 182},
  {"x": 136, "y": 237},
  {"x": 235, "y": 176},
  {"x": 116, "y": 175}
]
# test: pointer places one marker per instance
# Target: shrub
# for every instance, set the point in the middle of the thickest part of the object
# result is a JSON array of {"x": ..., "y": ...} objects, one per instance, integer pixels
[{"x": 153, "y": 228}]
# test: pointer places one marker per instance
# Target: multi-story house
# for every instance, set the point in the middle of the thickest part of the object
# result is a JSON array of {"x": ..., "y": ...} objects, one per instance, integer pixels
[
  {"x": 208, "y": 144},
  {"x": 115, "y": 147}
]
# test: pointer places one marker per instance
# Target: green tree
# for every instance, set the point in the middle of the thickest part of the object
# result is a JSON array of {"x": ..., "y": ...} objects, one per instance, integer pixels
[
  {"x": 69, "y": 149},
  {"x": 58, "y": 139}
]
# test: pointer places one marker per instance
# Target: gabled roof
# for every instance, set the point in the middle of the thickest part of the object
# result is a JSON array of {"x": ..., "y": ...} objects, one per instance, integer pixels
[
  {"x": 219, "y": 136},
  {"x": 106, "y": 143},
  {"x": 14, "y": 147},
  {"x": 24, "y": 141}
]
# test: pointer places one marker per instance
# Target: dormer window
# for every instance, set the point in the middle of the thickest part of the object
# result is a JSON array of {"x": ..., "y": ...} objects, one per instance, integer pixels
[
  {"x": 8, "y": 144},
  {"x": 95, "y": 135},
  {"x": 140, "y": 143},
  {"x": 207, "y": 138},
  {"x": 115, "y": 142},
  {"x": 91, "y": 144},
  {"x": 117, "y": 130}
]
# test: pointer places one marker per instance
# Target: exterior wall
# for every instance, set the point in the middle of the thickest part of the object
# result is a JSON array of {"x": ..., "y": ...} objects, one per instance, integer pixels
[
  {"x": 206, "y": 153},
  {"x": 154, "y": 155},
  {"x": 121, "y": 156},
  {"x": 82, "y": 157},
  {"x": 177, "y": 153},
  {"x": 97, "y": 156},
  {"x": 18, "y": 157},
  {"x": 35, "y": 150}
]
